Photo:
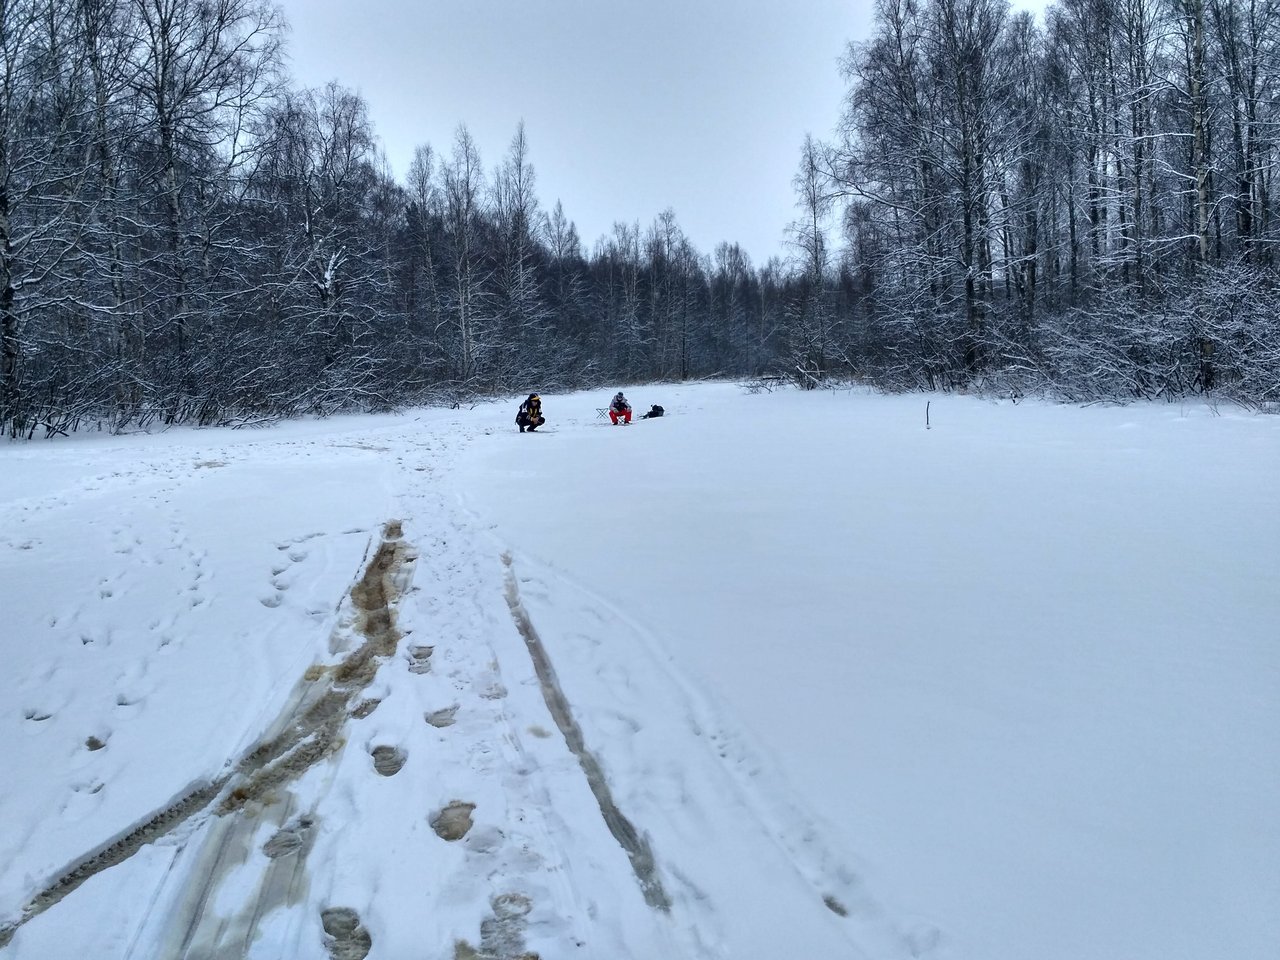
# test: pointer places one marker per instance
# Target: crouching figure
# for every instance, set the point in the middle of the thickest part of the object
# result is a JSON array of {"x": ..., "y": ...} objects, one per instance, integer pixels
[{"x": 529, "y": 416}]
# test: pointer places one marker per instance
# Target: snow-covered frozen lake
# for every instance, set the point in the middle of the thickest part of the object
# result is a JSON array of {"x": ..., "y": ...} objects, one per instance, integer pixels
[{"x": 778, "y": 674}]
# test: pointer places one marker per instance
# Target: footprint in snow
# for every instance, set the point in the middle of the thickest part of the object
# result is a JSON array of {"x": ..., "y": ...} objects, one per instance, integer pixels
[
  {"x": 97, "y": 636},
  {"x": 453, "y": 822},
  {"x": 388, "y": 760},
  {"x": 289, "y": 839},
  {"x": 419, "y": 657},
  {"x": 129, "y": 705},
  {"x": 345, "y": 937},
  {"x": 442, "y": 718},
  {"x": 85, "y": 798},
  {"x": 502, "y": 934}
]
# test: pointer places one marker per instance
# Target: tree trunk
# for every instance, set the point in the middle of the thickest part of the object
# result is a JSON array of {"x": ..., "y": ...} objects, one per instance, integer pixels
[
  {"x": 1199, "y": 129},
  {"x": 11, "y": 412}
]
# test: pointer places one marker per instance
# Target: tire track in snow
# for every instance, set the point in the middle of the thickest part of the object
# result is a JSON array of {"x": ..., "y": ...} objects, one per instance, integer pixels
[
  {"x": 307, "y": 732},
  {"x": 633, "y": 844},
  {"x": 304, "y": 736}
]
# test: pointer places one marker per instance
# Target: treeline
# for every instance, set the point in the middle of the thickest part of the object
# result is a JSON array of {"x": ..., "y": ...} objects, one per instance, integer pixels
[
  {"x": 184, "y": 237},
  {"x": 187, "y": 237},
  {"x": 1089, "y": 208}
]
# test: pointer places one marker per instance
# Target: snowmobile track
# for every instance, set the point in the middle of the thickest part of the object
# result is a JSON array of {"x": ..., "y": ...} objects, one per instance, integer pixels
[{"x": 308, "y": 731}]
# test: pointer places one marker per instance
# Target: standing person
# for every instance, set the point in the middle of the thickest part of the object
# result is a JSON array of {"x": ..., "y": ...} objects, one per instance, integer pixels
[
  {"x": 530, "y": 414},
  {"x": 619, "y": 407}
]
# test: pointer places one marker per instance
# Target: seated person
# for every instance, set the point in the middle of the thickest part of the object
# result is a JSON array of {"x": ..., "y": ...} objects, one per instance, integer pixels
[{"x": 619, "y": 407}]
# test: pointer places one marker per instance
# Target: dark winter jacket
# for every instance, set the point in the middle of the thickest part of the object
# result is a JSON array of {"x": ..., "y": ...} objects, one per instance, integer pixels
[{"x": 530, "y": 413}]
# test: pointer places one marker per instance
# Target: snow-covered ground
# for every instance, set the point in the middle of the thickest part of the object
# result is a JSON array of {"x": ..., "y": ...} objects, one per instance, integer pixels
[{"x": 775, "y": 675}]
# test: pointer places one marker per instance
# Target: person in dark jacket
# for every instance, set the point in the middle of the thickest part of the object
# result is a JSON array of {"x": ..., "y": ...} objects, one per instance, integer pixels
[
  {"x": 529, "y": 416},
  {"x": 619, "y": 407}
]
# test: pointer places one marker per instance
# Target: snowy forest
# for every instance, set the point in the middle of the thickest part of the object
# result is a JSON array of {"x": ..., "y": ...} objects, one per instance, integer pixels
[{"x": 1085, "y": 209}]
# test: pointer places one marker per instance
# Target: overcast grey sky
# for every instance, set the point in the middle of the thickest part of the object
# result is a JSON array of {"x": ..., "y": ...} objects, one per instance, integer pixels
[{"x": 630, "y": 106}]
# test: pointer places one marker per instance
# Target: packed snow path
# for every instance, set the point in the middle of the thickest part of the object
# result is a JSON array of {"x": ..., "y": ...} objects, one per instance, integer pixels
[{"x": 713, "y": 686}]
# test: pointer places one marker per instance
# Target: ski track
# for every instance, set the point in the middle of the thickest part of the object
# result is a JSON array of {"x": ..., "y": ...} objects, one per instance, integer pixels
[
  {"x": 452, "y": 718},
  {"x": 637, "y": 847},
  {"x": 641, "y": 689}
]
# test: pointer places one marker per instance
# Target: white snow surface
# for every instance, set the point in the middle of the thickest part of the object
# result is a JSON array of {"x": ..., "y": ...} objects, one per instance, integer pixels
[{"x": 1006, "y": 688}]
